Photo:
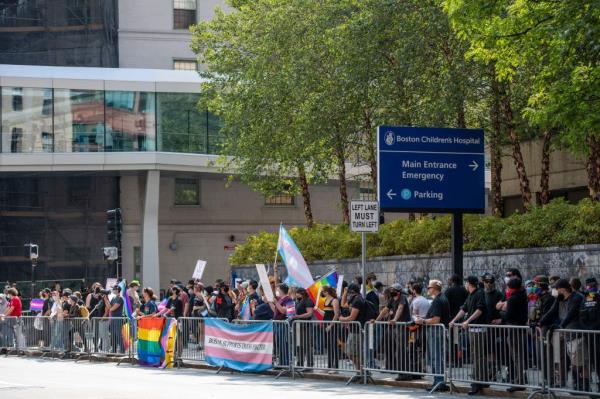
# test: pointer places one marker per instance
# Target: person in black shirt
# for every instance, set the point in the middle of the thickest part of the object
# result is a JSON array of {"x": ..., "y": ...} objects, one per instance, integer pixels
[
  {"x": 388, "y": 332},
  {"x": 492, "y": 297},
  {"x": 304, "y": 311},
  {"x": 475, "y": 311},
  {"x": 174, "y": 306},
  {"x": 223, "y": 304},
  {"x": 438, "y": 313},
  {"x": 456, "y": 294},
  {"x": 116, "y": 320},
  {"x": 357, "y": 313},
  {"x": 515, "y": 314}
]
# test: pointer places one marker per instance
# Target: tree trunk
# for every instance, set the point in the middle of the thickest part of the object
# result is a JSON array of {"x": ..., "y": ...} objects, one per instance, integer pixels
[
  {"x": 593, "y": 167},
  {"x": 496, "y": 152},
  {"x": 460, "y": 115},
  {"x": 371, "y": 140},
  {"x": 516, "y": 153},
  {"x": 545, "y": 174},
  {"x": 340, "y": 154},
  {"x": 305, "y": 196}
]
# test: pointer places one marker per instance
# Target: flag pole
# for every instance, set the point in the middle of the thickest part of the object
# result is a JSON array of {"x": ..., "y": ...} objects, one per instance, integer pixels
[{"x": 275, "y": 274}]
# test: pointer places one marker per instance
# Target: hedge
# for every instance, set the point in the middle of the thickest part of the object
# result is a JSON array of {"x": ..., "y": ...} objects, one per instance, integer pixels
[{"x": 555, "y": 224}]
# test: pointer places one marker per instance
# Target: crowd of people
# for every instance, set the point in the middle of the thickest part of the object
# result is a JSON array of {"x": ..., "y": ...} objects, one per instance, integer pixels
[{"x": 543, "y": 303}]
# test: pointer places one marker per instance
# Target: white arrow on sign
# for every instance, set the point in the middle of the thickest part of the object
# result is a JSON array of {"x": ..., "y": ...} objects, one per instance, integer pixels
[
  {"x": 474, "y": 166},
  {"x": 391, "y": 194}
]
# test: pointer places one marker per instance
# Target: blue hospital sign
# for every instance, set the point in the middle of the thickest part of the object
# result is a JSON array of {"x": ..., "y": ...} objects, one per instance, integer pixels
[{"x": 431, "y": 169}]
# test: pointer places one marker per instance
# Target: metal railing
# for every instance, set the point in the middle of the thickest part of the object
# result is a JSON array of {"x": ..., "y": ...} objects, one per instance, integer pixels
[
  {"x": 520, "y": 357},
  {"x": 408, "y": 350},
  {"x": 573, "y": 359},
  {"x": 282, "y": 344},
  {"x": 498, "y": 355}
]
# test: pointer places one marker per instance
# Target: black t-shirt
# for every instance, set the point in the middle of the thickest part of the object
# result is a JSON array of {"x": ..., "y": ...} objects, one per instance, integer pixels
[
  {"x": 224, "y": 306},
  {"x": 176, "y": 307},
  {"x": 440, "y": 307},
  {"x": 476, "y": 301},
  {"x": 456, "y": 296},
  {"x": 303, "y": 305},
  {"x": 96, "y": 300},
  {"x": 491, "y": 299},
  {"x": 373, "y": 298},
  {"x": 119, "y": 311},
  {"x": 197, "y": 301},
  {"x": 358, "y": 303},
  {"x": 393, "y": 304}
]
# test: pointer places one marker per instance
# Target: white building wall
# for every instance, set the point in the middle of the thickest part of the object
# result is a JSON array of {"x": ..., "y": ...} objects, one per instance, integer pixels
[{"x": 146, "y": 35}]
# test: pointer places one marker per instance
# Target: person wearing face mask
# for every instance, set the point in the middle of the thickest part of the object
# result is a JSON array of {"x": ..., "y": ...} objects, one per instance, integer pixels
[
  {"x": 283, "y": 307},
  {"x": 304, "y": 311},
  {"x": 564, "y": 314},
  {"x": 475, "y": 312},
  {"x": 516, "y": 315},
  {"x": 357, "y": 313},
  {"x": 544, "y": 300}
]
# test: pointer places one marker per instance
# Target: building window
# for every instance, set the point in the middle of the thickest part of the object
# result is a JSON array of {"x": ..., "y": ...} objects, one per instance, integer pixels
[
  {"x": 78, "y": 192},
  {"x": 281, "y": 199},
  {"x": 187, "y": 192},
  {"x": 185, "y": 65},
  {"x": 137, "y": 263},
  {"x": 367, "y": 191},
  {"x": 17, "y": 99},
  {"x": 184, "y": 13}
]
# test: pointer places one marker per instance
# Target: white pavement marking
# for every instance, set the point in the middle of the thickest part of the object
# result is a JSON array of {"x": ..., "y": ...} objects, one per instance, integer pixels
[{"x": 32, "y": 378}]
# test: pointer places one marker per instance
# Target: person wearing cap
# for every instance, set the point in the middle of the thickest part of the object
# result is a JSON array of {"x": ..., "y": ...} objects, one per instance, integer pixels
[
  {"x": 590, "y": 318},
  {"x": 492, "y": 297},
  {"x": 438, "y": 313},
  {"x": 396, "y": 309},
  {"x": 564, "y": 314},
  {"x": 474, "y": 311},
  {"x": 515, "y": 314},
  {"x": 544, "y": 300}
]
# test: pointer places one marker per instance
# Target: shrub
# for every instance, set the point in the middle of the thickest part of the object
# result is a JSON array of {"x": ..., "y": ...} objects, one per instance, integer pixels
[{"x": 556, "y": 224}]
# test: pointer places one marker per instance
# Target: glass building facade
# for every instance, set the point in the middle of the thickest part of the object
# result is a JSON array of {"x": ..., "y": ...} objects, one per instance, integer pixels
[
  {"x": 38, "y": 120},
  {"x": 59, "y": 32}
]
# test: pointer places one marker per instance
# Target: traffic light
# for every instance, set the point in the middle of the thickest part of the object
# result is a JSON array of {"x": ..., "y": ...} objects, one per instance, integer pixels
[{"x": 114, "y": 225}]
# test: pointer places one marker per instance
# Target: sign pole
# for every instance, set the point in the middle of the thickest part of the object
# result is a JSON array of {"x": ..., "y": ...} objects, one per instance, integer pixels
[
  {"x": 364, "y": 261},
  {"x": 457, "y": 243}
]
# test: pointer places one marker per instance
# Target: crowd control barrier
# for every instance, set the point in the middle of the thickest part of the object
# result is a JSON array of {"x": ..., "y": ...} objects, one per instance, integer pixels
[
  {"x": 520, "y": 357},
  {"x": 408, "y": 350},
  {"x": 282, "y": 344},
  {"x": 498, "y": 355},
  {"x": 331, "y": 346},
  {"x": 573, "y": 359}
]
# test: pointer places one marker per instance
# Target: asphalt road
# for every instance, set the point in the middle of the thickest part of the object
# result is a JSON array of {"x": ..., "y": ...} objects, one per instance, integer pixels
[{"x": 32, "y": 378}]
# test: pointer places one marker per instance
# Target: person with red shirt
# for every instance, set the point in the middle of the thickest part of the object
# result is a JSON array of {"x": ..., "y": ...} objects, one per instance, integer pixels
[{"x": 15, "y": 305}]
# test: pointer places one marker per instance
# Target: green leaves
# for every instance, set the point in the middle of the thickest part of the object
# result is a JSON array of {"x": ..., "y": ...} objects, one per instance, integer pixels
[{"x": 556, "y": 224}]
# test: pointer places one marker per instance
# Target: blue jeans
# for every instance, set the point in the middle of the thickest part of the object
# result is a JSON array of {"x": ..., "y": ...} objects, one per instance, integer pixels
[{"x": 435, "y": 352}]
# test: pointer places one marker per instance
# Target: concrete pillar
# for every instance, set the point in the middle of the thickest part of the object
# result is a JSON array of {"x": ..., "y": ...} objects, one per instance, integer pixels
[{"x": 150, "y": 259}]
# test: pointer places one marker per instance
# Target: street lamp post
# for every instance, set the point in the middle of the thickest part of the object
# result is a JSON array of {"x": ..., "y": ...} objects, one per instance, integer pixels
[{"x": 33, "y": 257}]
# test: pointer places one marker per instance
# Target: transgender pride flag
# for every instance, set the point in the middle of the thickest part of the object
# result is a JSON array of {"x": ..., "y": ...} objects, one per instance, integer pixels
[
  {"x": 298, "y": 273},
  {"x": 241, "y": 347}
]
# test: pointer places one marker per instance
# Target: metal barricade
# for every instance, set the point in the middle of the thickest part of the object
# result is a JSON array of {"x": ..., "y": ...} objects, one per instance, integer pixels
[
  {"x": 190, "y": 339},
  {"x": 407, "y": 349},
  {"x": 498, "y": 355},
  {"x": 328, "y": 345},
  {"x": 282, "y": 344},
  {"x": 112, "y": 336},
  {"x": 79, "y": 336},
  {"x": 573, "y": 361},
  {"x": 9, "y": 327},
  {"x": 36, "y": 332}
]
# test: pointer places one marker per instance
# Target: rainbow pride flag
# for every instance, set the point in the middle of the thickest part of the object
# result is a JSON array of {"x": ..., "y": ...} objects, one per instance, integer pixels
[
  {"x": 127, "y": 309},
  {"x": 314, "y": 291},
  {"x": 149, "y": 346}
]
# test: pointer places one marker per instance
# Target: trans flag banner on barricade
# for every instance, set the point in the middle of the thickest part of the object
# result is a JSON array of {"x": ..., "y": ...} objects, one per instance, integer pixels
[{"x": 241, "y": 347}]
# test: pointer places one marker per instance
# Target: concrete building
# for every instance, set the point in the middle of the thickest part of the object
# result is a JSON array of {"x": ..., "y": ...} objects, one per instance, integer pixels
[
  {"x": 76, "y": 142},
  {"x": 568, "y": 176},
  {"x": 155, "y": 33}
]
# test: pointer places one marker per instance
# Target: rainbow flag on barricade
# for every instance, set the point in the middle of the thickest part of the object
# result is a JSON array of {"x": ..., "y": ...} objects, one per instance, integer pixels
[
  {"x": 241, "y": 347},
  {"x": 149, "y": 347},
  {"x": 314, "y": 291},
  {"x": 167, "y": 343}
]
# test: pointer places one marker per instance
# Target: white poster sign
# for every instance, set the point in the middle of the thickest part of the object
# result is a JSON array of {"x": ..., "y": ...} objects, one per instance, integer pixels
[
  {"x": 110, "y": 282},
  {"x": 340, "y": 282},
  {"x": 199, "y": 270},
  {"x": 264, "y": 282}
]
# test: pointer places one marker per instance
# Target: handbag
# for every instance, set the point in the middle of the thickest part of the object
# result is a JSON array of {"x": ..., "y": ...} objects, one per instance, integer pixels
[{"x": 38, "y": 322}]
